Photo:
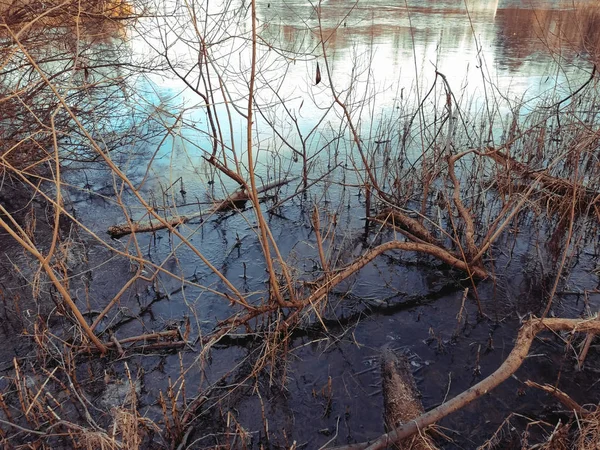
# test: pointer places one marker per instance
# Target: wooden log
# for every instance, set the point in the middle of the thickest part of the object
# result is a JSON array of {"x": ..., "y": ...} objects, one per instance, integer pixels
[
  {"x": 401, "y": 400},
  {"x": 235, "y": 201},
  {"x": 401, "y": 221},
  {"x": 117, "y": 231}
]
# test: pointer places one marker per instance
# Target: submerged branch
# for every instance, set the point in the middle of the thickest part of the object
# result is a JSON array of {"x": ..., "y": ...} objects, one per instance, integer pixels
[
  {"x": 584, "y": 195},
  {"x": 236, "y": 200},
  {"x": 366, "y": 258},
  {"x": 406, "y": 225}
]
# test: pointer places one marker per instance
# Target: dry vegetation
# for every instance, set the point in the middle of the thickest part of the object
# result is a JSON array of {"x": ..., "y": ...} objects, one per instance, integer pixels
[{"x": 440, "y": 179}]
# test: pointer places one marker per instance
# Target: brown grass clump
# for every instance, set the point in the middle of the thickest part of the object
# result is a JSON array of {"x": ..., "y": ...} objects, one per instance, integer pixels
[
  {"x": 96, "y": 440},
  {"x": 580, "y": 433},
  {"x": 588, "y": 432},
  {"x": 130, "y": 427}
]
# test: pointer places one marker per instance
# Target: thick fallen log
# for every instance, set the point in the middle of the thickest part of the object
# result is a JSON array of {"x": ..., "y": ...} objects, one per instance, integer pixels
[
  {"x": 237, "y": 200},
  {"x": 525, "y": 338},
  {"x": 401, "y": 399}
]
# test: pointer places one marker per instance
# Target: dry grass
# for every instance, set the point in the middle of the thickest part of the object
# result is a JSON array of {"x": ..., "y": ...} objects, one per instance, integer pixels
[
  {"x": 587, "y": 434},
  {"x": 580, "y": 433},
  {"x": 450, "y": 206}
]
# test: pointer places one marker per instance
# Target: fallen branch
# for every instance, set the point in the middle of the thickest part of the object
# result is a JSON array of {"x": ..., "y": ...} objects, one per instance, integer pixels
[
  {"x": 152, "y": 341},
  {"x": 462, "y": 210},
  {"x": 117, "y": 231},
  {"x": 230, "y": 173},
  {"x": 406, "y": 225},
  {"x": 585, "y": 195},
  {"x": 427, "y": 243},
  {"x": 237, "y": 200},
  {"x": 586, "y": 348},
  {"x": 514, "y": 360},
  {"x": 327, "y": 283},
  {"x": 560, "y": 396},
  {"x": 430, "y": 249},
  {"x": 304, "y": 189}
]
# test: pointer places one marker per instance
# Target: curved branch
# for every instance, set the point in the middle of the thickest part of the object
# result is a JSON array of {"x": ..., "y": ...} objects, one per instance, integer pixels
[
  {"x": 369, "y": 256},
  {"x": 462, "y": 210},
  {"x": 514, "y": 360}
]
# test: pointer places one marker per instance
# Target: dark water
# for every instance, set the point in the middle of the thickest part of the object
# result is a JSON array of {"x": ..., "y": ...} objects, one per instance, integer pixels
[{"x": 516, "y": 53}]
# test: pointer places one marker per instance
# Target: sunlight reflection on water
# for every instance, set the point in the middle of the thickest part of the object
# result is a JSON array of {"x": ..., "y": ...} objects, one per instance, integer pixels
[{"x": 382, "y": 57}]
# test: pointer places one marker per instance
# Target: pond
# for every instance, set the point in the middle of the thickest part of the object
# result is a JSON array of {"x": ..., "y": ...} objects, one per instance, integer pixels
[
  {"x": 500, "y": 60},
  {"x": 357, "y": 107}
]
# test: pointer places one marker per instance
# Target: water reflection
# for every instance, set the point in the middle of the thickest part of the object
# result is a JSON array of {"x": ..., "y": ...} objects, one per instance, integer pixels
[
  {"x": 567, "y": 34},
  {"x": 514, "y": 40},
  {"x": 382, "y": 56}
]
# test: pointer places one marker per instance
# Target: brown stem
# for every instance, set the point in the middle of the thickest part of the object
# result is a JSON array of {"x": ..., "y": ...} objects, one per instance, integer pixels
[
  {"x": 262, "y": 225},
  {"x": 118, "y": 172},
  {"x": 369, "y": 256},
  {"x": 55, "y": 281},
  {"x": 560, "y": 396},
  {"x": 396, "y": 218},
  {"x": 317, "y": 226},
  {"x": 116, "y": 298},
  {"x": 462, "y": 210},
  {"x": 235, "y": 200},
  {"x": 226, "y": 170},
  {"x": 585, "y": 195}
]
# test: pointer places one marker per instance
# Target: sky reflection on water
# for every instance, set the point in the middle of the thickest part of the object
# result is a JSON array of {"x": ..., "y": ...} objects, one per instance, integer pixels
[{"x": 503, "y": 56}]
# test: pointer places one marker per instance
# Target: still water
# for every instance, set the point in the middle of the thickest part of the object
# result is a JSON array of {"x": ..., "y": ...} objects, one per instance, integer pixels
[{"x": 500, "y": 59}]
